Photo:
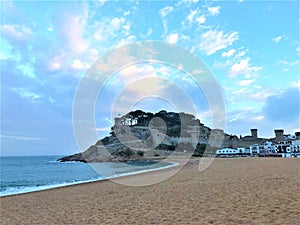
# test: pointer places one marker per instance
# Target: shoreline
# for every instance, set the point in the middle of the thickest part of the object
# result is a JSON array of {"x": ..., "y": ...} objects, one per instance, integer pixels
[
  {"x": 32, "y": 189},
  {"x": 229, "y": 191}
]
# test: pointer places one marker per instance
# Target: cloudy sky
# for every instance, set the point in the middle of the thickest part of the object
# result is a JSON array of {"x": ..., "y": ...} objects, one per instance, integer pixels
[{"x": 250, "y": 47}]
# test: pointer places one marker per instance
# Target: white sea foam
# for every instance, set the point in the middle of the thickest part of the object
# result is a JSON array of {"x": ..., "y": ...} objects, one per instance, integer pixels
[{"x": 28, "y": 189}]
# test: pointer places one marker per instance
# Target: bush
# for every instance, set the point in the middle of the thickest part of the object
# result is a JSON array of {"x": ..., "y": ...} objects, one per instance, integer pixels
[
  {"x": 165, "y": 147},
  {"x": 126, "y": 152},
  {"x": 200, "y": 149},
  {"x": 140, "y": 153}
]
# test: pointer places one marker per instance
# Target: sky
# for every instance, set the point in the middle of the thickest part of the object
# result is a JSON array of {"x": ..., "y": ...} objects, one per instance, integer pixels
[{"x": 251, "y": 48}]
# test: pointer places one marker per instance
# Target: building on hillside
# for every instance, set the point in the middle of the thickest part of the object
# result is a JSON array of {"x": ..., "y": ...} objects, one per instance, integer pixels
[
  {"x": 293, "y": 149},
  {"x": 232, "y": 152},
  {"x": 264, "y": 149},
  {"x": 232, "y": 141},
  {"x": 290, "y": 148},
  {"x": 282, "y": 145},
  {"x": 227, "y": 151}
]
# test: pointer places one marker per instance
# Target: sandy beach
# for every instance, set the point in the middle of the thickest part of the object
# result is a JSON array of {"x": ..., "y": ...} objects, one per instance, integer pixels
[{"x": 229, "y": 191}]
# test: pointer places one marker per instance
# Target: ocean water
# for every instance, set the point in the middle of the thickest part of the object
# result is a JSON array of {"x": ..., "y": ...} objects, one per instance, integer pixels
[{"x": 24, "y": 174}]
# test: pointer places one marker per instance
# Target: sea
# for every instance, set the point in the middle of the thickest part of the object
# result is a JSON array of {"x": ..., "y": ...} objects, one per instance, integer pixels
[{"x": 23, "y": 174}]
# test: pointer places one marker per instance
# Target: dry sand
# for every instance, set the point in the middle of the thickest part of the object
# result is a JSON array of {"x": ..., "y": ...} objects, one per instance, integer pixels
[{"x": 230, "y": 191}]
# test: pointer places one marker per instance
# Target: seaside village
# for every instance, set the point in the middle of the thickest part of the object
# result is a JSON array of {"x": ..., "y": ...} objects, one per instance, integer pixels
[{"x": 282, "y": 145}]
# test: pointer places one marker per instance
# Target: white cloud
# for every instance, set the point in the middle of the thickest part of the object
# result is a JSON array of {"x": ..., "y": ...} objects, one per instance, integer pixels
[
  {"x": 214, "y": 11},
  {"x": 298, "y": 50},
  {"x": 287, "y": 63},
  {"x": 285, "y": 70},
  {"x": 27, "y": 70},
  {"x": 126, "y": 27},
  {"x": 236, "y": 117},
  {"x": 245, "y": 82},
  {"x": 135, "y": 72},
  {"x": 277, "y": 39},
  {"x": 3, "y": 57},
  {"x": 172, "y": 38},
  {"x": 197, "y": 72},
  {"x": 54, "y": 63},
  {"x": 191, "y": 16},
  {"x": 50, "y": 28},
  {"x": 102, "y": 129},
  {"x": 201, "y": 19},
  {"x": 229, "y": 53},
  {"x": 188, "y": 2},
  {"x": 51, "y": 100},
  {"x": 241, "y": 54},
  {"x": 296, "y": 84},
  {"x": 21, "y": 138},
  {"x": 251, "y": 75},
  {"x": 108, "y": 32},
  {"x": 100, "y": 2},
  {"x": 243, "y": 67},
  {"x": 54, "y": 66},
  {"x": 165, "y": 11},
  {"x": 117, "y": 22},
  {"x": 16, "y": 32},
  {"x": 127, "y": 13},
  {"x": 258, "y": 118},
  {"x": 29, "y": 95},
  {"x": 149, "y": 32},
  {"x": 261, "y": 95},
  {"x": 137, "y": 89},
  {"x": 240, "y": 91},
  {"x": 213, "y": 41},
  {"x": 74, "y": 29},
  {"x": 78, "y": 65},
  {"x": 127, "y": 40},
  {"x": 93, "y": 54},
  {"x": 147, "y": 86}
]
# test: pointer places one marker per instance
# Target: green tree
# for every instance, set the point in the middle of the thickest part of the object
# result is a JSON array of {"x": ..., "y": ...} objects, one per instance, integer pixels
[{"x": 200, "y": 149}]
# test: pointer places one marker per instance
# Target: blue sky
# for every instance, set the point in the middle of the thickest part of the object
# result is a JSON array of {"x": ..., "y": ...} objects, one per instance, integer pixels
[{"x": 251, "y": 48}]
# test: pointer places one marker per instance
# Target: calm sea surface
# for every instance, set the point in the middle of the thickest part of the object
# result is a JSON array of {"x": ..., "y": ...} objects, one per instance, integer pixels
[{"x": 23, "y": 174}]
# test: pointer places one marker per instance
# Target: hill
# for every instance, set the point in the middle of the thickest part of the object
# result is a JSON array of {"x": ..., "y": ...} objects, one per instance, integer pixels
[{"x": 139, "y": 135}]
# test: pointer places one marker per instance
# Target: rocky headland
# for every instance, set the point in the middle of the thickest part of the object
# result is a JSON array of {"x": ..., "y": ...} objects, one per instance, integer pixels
[{"x": 140, "y": 135}]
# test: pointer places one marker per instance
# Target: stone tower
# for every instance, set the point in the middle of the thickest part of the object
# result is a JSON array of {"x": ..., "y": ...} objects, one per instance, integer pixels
[
  {"x": 297, "y": 134},
  {"x": 254, "y": 133},
  {"x": 279, "y": 135}
]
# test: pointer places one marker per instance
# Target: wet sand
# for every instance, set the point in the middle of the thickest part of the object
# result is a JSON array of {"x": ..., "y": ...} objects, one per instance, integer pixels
[{"x": 229, "y": 191}]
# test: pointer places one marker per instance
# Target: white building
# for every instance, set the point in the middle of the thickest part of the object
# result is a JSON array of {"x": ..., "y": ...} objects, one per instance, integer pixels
[
  {"x": 227, "y": 151},
  {"x": 283, "y": 148},
  {"x": 264, "y": 149},
  {"x": 286, "y": 149},
  {"x": 293, "y": 150},
  {"x": 289, "y": 137},
  {"x": 244, "y": 151},
  {"x": 233, "y": 151}
]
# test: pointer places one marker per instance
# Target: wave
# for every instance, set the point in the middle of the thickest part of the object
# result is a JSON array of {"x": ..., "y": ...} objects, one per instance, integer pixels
[{"x": 27, "y": 189}]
